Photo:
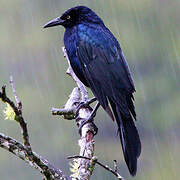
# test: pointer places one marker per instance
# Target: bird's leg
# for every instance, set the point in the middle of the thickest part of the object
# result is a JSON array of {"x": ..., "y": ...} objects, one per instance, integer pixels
[
  {"x": 93, "y": 113},
  {"x": 90, "y": 119},
  {"x": 84, "y": 104}
]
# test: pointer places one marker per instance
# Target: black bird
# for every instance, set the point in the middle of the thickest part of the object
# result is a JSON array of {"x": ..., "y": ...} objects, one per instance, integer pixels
[{"x": 97, "y": 59}]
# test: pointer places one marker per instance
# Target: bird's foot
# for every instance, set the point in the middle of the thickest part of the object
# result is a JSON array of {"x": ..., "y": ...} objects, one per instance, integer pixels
[
  {"x": 84, "y": 105},
  {"x": 90, "y": 120}
]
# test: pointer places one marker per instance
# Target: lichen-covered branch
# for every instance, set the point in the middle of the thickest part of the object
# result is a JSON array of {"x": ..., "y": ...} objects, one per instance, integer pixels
[
  {"x": 94, "y": 161},
  {"x": 16, "y": 148},
  {"x": 70, "y": 107},
  {"x": 18, "y": 112},
  {"x": 33, "y": 159},
  {"x": 86, "y": 141}
]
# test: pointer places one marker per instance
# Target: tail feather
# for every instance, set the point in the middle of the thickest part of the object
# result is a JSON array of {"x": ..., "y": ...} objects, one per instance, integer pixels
[
  {"x": 129, "y": 100},
  {"x": 129, "y": 137}
]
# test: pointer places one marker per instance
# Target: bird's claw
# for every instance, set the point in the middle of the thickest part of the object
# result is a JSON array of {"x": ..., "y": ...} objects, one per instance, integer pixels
[
  {"x": 84, "y": 104},
  {"x": 81, "y": 105},
  {"x": 89, "y": 120}
]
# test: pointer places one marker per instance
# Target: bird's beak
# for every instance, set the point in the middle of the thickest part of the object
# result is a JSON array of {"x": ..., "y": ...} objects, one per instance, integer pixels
[{"x": 55, "y": 22}]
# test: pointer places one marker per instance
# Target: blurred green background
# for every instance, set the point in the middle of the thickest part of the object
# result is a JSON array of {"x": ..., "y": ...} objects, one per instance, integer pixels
[{"x": 149, "y": 33}]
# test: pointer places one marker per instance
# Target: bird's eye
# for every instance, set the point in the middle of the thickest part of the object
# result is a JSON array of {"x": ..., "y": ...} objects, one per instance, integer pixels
[{"x": 68, "y": 17}]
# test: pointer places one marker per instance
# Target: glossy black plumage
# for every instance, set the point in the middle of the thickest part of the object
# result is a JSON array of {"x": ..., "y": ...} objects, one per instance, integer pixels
[{"x": 97, "y": 59}]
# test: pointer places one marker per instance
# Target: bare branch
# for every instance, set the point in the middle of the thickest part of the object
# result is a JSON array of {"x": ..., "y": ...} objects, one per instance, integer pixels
[
  {"x": 99, "y": 163},
  {"x": 86, "y": 141},
  {"x": 30, "y": 157},
  {"x": 115, "y": 166},
  {"x": 88, "y": 130},
  {"x": 70, "y": 107},
  {"x": 18, "y": 113},
  {"x": 24, "y": 151},
  {"x": 67, "y": 113},
  {"x": 19, "y": 103}
]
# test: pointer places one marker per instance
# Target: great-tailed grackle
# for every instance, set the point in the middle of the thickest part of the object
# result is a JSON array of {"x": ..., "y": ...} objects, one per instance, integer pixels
[{"x": 98, "y": 61}]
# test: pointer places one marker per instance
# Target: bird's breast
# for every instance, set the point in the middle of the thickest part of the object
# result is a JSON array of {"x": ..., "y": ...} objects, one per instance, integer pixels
[{"x": 70, "y": 42}]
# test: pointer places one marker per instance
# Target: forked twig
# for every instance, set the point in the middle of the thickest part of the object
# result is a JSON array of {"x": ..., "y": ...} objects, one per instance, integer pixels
[
  {"x": 99, "y": 163},
  {"x": 18, "y": 112},
  {"x": 24, "y": 151}
]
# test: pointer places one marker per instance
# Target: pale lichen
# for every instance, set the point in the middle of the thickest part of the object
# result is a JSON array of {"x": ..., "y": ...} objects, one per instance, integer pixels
[
  {"x": 74, "y": 166},
  {"x": 9, "y": 112}
]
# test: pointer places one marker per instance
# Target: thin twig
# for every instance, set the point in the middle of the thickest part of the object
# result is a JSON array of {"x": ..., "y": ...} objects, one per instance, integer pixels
[
  {"x": 99, "y": 163},
  {"x": 18, "y": 114},
  {"x": 5, "y": 99},
  {"x": 115, "y": 166},
  {"x": 19, "y": 103},
  {"x": 60, "y": 112},
  {"x": 69, "y": 109}
]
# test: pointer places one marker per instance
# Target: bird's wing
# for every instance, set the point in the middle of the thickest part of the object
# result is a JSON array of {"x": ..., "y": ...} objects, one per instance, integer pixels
[
  {"x": 109, "y": 78},
  {"x": 107, "y": 72}
]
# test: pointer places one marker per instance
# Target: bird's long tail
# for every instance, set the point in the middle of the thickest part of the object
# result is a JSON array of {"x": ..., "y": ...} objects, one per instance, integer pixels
[{"x": 129, "y": 137}]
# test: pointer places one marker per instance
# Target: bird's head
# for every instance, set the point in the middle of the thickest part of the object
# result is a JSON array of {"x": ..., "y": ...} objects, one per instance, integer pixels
[{"x": 74, "y": 16}]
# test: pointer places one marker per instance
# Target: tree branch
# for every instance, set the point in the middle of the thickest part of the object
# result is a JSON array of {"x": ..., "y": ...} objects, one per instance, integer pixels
[
  {"x": 18, "y": 112},
  {"x": 86, "y": 141},
  {"x": 95, "y": 161},
  {"x": 19, "y": 103},
  {"x": 24, "y": 151},
  {"x": 33, "y": 159}
]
